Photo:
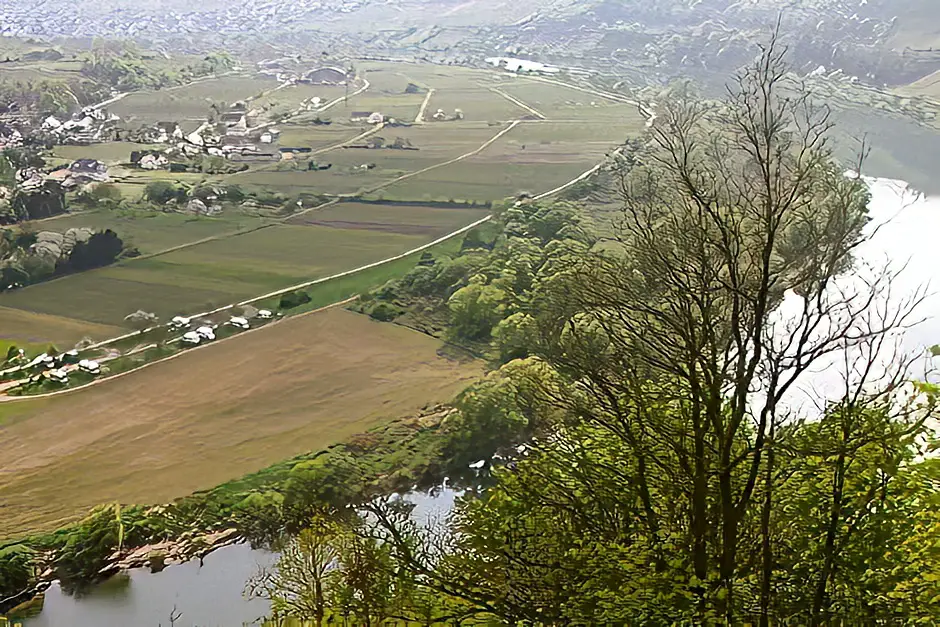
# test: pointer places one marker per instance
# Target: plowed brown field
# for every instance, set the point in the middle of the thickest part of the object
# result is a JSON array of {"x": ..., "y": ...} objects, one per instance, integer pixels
[{"x": 214, "y": 414}]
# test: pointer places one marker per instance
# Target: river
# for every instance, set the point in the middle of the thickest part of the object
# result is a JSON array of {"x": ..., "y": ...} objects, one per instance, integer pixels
[
  {"x": 902, "y": 241},
  {"x": 908, "y": 229},
  {"x": 206, "y": 596}
]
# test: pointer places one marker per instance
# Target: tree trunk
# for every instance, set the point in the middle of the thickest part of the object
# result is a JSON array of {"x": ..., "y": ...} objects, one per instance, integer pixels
[
  {"x": 729, "y": 542},
  {"x": 767, "y": 556},
  {"x": 835, "y": 514},
  {"x": 318, "y": 592}
]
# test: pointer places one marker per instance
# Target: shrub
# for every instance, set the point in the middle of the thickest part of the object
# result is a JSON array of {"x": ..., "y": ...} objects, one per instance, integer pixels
[
  {"x": 162, "y": 192},
  {"x": 294, "y": 299},
  {"x": 384, "y": 312}
]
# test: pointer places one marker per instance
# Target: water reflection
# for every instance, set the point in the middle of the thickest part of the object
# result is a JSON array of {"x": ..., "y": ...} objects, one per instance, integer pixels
[{"x": 210, "y": 596}]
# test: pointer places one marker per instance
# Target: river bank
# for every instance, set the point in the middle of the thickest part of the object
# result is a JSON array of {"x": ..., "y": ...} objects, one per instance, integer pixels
[
  {"x": 404, "y": 455},
  {"x": 204, "y": 592}
]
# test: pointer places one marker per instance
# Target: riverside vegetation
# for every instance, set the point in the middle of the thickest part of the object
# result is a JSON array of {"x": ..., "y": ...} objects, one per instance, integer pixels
[
  {"x": 671, "y": 476},
  {"x": 668, "y": 475}
]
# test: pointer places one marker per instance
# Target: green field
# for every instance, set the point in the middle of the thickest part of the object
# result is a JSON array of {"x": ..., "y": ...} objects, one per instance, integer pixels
[
  {"x": 210, "y": 275},
  {"x": 431, "y": 221},
  {"x": 152, "y": 231},
  {"x": 109, "y": 152}
]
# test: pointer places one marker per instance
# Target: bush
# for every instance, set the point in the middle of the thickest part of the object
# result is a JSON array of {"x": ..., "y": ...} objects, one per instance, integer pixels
[
  {"x": 294, "y": 299},
  {"x": 384, "y": 312},
  {"x": 104, "y": 193},
  {"x": 162, "y": 192}
]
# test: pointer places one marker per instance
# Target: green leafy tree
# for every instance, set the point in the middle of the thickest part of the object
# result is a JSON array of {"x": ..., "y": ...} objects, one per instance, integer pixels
[
  {"x": 306, "y": 574},
  {"x": 475, "y": 310}
]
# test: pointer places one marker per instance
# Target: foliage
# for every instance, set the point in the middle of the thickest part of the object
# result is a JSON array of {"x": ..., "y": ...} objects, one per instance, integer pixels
[
  {"x": 668, "y": 480},
  {"x": 21, "y": 264},
  {"x": 294, "y": 299},
  {"x": 475, "y": 310},
  {"x": 44, "y": 201},
  {"x": 492, "y": 279},
  {"x": 162, "y": 192},
  {"x": 101, "y": 249},
  {"x": 107, "y": 194},
  {"x": 86, "y": 547},
  {"x": 16, "y": 569}
]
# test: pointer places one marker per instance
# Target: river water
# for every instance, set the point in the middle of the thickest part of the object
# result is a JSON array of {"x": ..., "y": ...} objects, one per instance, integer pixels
[
  {"x": 206, "y": 596},
  {"x": 908, "y": 235}
]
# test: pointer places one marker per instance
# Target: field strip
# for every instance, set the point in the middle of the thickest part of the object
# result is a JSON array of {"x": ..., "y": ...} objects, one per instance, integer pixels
[
  {"x": 375, "y": 188},
  {"x": 518, "y": 102},
  {"x": 13, "y": 399},
  {"x": 472, "y": 153},
  {"x": 576, "y": 180},
  {"x": 419, "y": 119},
  {"x": 372, "y": 131}
]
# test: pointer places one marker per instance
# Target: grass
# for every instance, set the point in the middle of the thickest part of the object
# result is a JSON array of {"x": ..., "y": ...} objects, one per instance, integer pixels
[
  {"x": 220, "y": 412},
  {"x": 153, "y": 231}
]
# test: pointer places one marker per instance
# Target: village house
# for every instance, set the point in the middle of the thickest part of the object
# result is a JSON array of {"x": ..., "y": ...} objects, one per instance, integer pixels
[
  {"x": 167, "y": 131},
  {"x": 81, "y": 172}
]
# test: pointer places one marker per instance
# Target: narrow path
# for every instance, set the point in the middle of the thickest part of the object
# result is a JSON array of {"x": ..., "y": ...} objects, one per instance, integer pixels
[
  {"x": 329, "y": 105},
  {"x": 519, "y": 103},
  {"x": 372, "y": 131},
  {"x": 419, "y": 119},
  {"x": 577, "y": 179}
]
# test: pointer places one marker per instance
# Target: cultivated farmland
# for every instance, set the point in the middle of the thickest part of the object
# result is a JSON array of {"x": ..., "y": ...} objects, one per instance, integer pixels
[
  {"x": 192, "y": 263},
  {"x": 211, "y": 274},
  {"x": 215, "y": 414}
]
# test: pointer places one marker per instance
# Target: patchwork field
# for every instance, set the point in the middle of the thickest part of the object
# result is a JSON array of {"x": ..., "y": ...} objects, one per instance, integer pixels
[
  {"x": 178, "y": 426},
  {"x": 478, "y": 158}
]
